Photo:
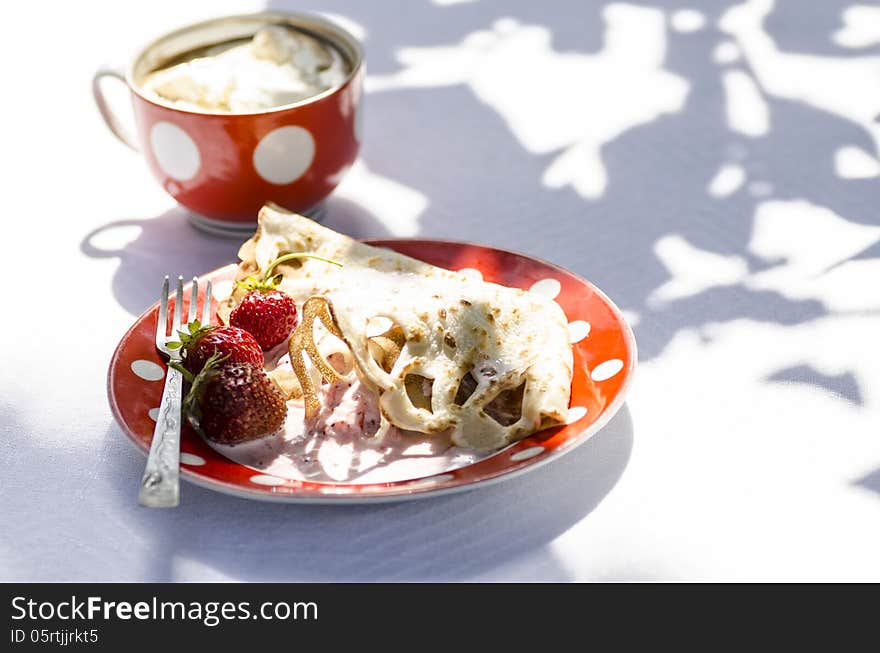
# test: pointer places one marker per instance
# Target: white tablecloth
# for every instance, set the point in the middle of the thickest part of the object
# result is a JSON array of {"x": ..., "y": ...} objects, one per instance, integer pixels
[{"x": 714, "y": 170}]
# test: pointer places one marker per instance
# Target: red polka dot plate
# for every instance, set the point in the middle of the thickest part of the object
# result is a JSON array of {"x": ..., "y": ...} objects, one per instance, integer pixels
[{"x": 604, "y": 361}]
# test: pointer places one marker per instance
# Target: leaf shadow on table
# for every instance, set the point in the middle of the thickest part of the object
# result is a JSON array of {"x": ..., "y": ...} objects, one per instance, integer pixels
[
  {"x": 870, "y": 481},
  {"x": 843, "y": 385},
  {"x": 465, "y": 536},
  {"x": 655, "y": 235}
]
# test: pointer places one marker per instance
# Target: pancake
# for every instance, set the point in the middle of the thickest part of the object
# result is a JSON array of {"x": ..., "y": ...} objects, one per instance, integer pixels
[{"x": 481, "y": 363}]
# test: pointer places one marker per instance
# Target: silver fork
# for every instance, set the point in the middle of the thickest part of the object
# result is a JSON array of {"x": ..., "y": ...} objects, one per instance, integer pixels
[{"x": 161, "y": 480}]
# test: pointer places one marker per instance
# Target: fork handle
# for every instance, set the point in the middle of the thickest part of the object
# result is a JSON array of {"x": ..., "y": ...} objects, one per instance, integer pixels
[{"x": 160, "y": 484}]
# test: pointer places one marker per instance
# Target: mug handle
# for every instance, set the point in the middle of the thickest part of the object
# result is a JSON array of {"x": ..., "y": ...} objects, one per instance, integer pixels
[{"x": 107, "y": 114}]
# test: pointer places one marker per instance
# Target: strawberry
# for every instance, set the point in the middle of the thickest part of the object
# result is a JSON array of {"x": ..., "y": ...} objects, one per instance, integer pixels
[
  {"x": 231, "y": 403},
  {"x": 266, "y": 312},
  {"x": 199, "y": 342}
]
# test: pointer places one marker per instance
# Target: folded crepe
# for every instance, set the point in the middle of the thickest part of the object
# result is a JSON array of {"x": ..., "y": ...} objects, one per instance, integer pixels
[{"x": 444, "y": 352}]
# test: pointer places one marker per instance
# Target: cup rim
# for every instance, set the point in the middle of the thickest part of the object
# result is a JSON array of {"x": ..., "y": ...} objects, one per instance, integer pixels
[{"x": 293, "y": 18}]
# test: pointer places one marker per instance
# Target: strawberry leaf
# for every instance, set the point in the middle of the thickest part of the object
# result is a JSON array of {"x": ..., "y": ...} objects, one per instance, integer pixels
[
  {"x": 180, "y": 368},
  {"x": 248, "y": 283},
  {"x": 191, "y": 406},
  {"x": 296, "y": 255}
]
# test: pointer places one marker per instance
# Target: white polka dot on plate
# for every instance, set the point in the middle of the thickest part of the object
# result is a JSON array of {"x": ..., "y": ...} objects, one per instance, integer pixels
[
  {"x": 263, "y": 479},
  {"x": 284, "y": 155},
  {"x": 472, "y": 273},
  {"x": 578, "y": 330},
  {"x": 147, "y": 370},
  {"x": 525, "y": 454},
  {"x": 221, "y": 290},
  {"x": 176, "y": 152},
  {"x": 549, "y": 288},
  {"x": 191, "y": 459},
  {"x": 575, "y": 413},
  {"x": 153, "y": 413},
  {"x": 604, "y": 371}
]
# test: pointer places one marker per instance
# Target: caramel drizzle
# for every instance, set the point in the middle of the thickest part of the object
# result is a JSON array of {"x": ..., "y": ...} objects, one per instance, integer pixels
[{"x": 302, "y": 340}]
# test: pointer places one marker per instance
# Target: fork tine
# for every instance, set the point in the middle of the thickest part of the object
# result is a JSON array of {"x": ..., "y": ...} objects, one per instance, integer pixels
[
  {"x": 178, "y": 307},
  {"x": 193, "y": 300},
  {"x": 162, "y": 322},
  {"x": 206, "y": 309}
]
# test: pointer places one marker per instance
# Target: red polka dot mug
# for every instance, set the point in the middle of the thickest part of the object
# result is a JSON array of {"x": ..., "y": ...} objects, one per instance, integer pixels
[{"x": 225, "y": 166}]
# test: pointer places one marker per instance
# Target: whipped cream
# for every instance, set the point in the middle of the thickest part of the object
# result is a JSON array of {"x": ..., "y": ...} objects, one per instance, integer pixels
[
  {"x": 278, "y": 66},
  {"x": 340, "y": 446}
]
